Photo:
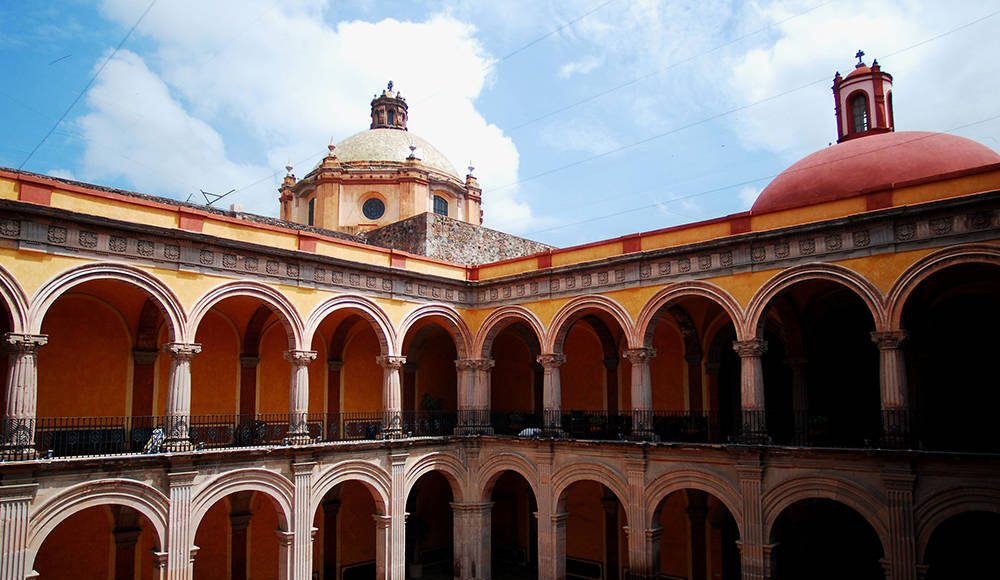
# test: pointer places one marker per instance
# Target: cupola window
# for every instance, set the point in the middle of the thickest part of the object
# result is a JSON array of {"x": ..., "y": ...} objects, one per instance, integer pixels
[
  {"x": 859, "y": 113},
  {"x": 311, "y": 220},
  {"x": 440, "y": 205},
  {"x": 373, "y": 208}
]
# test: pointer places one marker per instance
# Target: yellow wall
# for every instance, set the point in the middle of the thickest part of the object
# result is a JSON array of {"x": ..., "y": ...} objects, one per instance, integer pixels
[
  {"x": 583, "y": 375},
  {"x": 81, "y": 544},
  {"x": 512, "y": 382},
  {"x": 215, "y": 372},
  {"x": 668, "y": 369},
  {"x": 361, "y": 376}
]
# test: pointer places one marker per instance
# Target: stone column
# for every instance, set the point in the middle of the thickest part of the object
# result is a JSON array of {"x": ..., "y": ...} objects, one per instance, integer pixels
[
  {"x": 160, "y": 565},
  {"x": 126, "y": 535},
  {"x": 180, "y": 536},
  {"x": 752, "y": 389},
  {"x": 248, "y": 386},
  {"x": 143, "y": 378},
  {"x": 392, "y": 422},
  {"x": 697, "y": 512},
  {"x": 286, "y": 563},
  {"x": 302, "y": 549},
  {"x": 238, "y": 524},
  {"x": 397, "y": 514},
  {"x": 298, "y": 395},
  {"x": 552, "y": 392},
  {"x": 639, "y": 560},
  {"x": 474, "y": 409},
  {"x": 695, "y": 396},
  {"x": 550, "y": 559},
  {"x": 14, "y": 503},
  {"x": 611, "y": 382},
  {"x": 800, "y": 398},
  {"x": 642, "y": 391},
  {"x": 179, "y": 395},
  {"x": 383, "y": 553},
  {"x": 893, "y": 388},
  {"x": 754, "y": 552},
  {"x": 712, "y": 383},
  {"x": 473, "y": 534},
  {"x": 333, "y": 429},
  {"x": 653, "y": 535},
  {"x": 610, "y": 504},
  {"x": 18, "y": 428},
  {"x": 901, "y": 554}
]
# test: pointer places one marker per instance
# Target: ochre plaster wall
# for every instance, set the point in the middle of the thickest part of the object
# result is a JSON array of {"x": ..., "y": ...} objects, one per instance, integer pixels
[
  {"x": 585, "y": 525},
  {"x": 668, "y": 369},
  {"x": 262, "y": 542},
  {"x": 675, "y": 546},
  {"x": 215, "y": 371},
  {"x": 81, "y": 544},
  {"x": 361, "y": 376},
  {"x": 582, "y": 376},
  {"x": 512, "y": 382},
  {"x": 436, "y": 372},
  {"x": 274, "y": 372},
  {"x": 355, "y": 525},
  {"x": 212, "y": 538}
]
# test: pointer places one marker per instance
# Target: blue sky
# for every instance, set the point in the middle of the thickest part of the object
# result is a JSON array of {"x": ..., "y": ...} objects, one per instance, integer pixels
[{"x": 584, "y": 119}]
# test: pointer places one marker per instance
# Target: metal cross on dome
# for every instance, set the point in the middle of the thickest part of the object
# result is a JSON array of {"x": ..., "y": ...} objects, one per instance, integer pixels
[{"x": 860, "y": 54}]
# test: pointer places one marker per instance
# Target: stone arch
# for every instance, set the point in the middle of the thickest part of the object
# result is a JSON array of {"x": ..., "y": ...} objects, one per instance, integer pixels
[
  {"x": 17, "y": 303},
  {"x": 495, "y": 466},
  {"x": 946, "y": 504},
  {"x": 455, "y": 326},
  {"x": 274, "y": 485},
  {"x": 867, "y": 504},
  {"x": 559, "y": 327},
  {"x": 163, "y": 296},
  {"x": 602, "y": 474},
  {"x": 927, "y": 266},
  {"x": 706, "y": 481},
  {"x": 373, "y": 477},
  {"x": 850, "y": 279},
  {"x": 451, "y": 468},
  {"x": 143, "y": 498},
  {"x": 282, "y": 307},
  {"x": 657, "y": 304},
  {"x": 500, "y": 319},
  {"x": 364, "y": 307}
]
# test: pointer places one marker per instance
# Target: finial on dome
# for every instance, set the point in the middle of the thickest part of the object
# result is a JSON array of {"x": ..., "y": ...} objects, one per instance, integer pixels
[
  {"x": 389, "y": 86},
  {"x": 288, "y": 167},
  {"x": 858, "y": 56},
  {"x": 471, "y": 167},
  {"x": 413, "y": 153}
]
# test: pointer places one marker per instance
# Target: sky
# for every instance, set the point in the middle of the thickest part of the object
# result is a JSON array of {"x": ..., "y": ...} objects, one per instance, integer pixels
[{"x": 584, "y": 119}]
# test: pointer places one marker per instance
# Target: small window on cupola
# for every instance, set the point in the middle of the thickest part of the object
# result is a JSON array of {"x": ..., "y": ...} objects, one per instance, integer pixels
[
  {"x": 392, "y": 117},
  {"x": 440, "y": 205},
  {"x": 859, "y": 112},
  {"x": 312, "y": 212}
]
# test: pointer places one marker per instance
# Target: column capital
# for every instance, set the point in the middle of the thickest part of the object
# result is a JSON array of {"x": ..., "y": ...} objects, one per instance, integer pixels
[
  {"x": 639, "y": 355},
  {"x": 654, "y": 534},
  {"x": 889, "y": 339},
  {"x": 560, "y": 519},
  {"x": 382, "y": 522},
  {"x": 142, "y": 356},
  {"x": 474, "y": 364},
  {"x": 391, "y": 362},
  {"x": 285, "y": 539},
  {"x": 334, "y": 364},
  {"x": 181, "y": 478},
  {"x": 475, "y": 507},
  {"x": 22, "y": 492},
  {"x": 249, "y": 361},
  {"x": 551, "y": 360},
  {"x": 25, "y": 343},
  {"x": 182, "y": 350},
  {"x": 755, "y": 347},
  {"x": 300, "y": 358},
  {"x": 160, "y": 560}
]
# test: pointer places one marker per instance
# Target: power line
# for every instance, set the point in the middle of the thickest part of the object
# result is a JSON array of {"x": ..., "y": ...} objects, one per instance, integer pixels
[
  {"x": 89, "y": 83},
  {"x": 761, "y": 178}
]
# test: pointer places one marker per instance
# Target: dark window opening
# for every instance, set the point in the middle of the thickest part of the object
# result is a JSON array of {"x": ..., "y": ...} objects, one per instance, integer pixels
[
  {"x": 859, "y": 113},
  {"x": 440, "y": 205},
  {"x": 312, "y": 212}
]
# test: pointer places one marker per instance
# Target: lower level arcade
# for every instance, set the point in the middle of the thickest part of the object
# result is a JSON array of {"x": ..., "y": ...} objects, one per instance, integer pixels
[{"x": 505, "y": 508}]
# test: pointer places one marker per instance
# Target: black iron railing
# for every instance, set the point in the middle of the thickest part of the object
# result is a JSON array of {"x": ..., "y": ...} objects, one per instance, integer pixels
[{"x": 517, "y": 423}]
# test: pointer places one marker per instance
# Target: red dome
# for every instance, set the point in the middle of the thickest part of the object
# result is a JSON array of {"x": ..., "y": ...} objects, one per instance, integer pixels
[
  {"x": 868, "y": 163},
  {"x": 858, "y": 71}
]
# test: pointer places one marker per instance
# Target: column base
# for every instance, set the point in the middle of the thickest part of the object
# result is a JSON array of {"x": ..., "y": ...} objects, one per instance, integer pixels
[
  {"x": 298, "y": 439},
  {"x": 178, "y": 445},
  {"x": 17, "y": 453}
]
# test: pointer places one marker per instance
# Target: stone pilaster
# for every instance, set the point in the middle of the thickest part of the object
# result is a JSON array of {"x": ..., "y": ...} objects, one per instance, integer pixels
[
  {"x": 901, "y": 556},
  {"x": 302, "y": 520},
  {"x": 14, "y": 503},
  {"x": 552, "y": 392},
  {"x": 642, "y": 391},
  {"x": 893, "y": 388},
  {"x": 160, "y": 565},
  {"x": 635, "y": 514},
  {"x": 652, "y": 537},
  {"x": 752, "y": 388},
  {"x": 474, "y": 396},
  {"x": 286, "y": 551},
  {"x": 753, "y": 559},
  {"x": 18, "y": 427},
  {"x": 383, "y": 553},
  {"x": 298, "y": 395},
  {"x": 179, "y": 395},
  {"x": 180, "y": 536},
  {"x": 473, "y": 527},
  {"x": 397, "y": 513},
  {"x": 392, "y": 395}
]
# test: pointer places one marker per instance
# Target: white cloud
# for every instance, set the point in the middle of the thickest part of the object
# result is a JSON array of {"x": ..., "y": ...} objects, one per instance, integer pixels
[
  {"x": 747, "y": 195},
  {"x": 583, "y": 66},
  {"x": 62, "y": 174},
  {"x": 232, "y": 90},
  {"x": 579, "y": 135}
]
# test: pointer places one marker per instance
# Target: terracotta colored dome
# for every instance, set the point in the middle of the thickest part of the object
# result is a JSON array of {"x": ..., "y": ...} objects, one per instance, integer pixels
[
  {"x": 858, "y": 71},
  {"x": 868, "y": 163}
]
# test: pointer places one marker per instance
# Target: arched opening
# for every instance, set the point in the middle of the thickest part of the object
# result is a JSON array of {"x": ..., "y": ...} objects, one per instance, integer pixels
[
  {"x": 593, "y": 376},
  {"x": 429, "y": 528},
  {"x": 951, "y": 320},
  {"x": 516, "y": 381},
  {"x": 351, "y": 393},
  {"x": 240, "y": 537},
  {"x": 344, "y": 547},
  {"x": 440, "y": 205},
  {"x": 698, "y": 538},
  {"x": 106, "y": 541},
  {"x": 99, "y": 396},
  {"x": 514, "y": 533},
  {"x": 823, "y": 539},
  {"x": 722, "y": 374},
  {"x": 821, "y": 368},
  {"x": 430, "y": 379},
  {"x": 687, "y": 395},
  {"x": 240, "y": 379},
  {"x": 963, "y": 547},
  {"x": 857, "y": 103},
  {"x": 6, "y": 326},
  {"x": 595, "y": 539}
]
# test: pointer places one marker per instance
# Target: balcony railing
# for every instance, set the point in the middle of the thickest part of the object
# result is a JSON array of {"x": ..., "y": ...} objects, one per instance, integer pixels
[{"x": 93, "y": 436}]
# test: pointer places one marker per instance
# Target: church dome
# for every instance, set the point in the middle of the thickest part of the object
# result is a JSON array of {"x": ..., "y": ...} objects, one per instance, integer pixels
[
  {"x": 874, "y": 162},
  {"x": 392, "y": 145}
]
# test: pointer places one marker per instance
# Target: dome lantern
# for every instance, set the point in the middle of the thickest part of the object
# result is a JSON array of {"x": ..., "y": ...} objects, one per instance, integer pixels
[
  {"x": 863, "y": 101},
  {"x": 389, "y": 110}
]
